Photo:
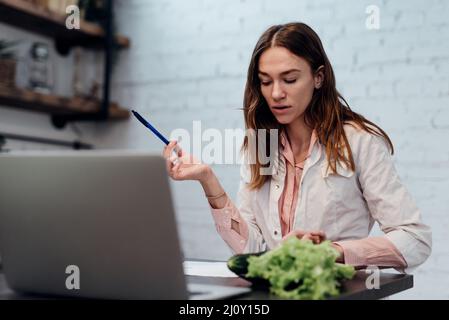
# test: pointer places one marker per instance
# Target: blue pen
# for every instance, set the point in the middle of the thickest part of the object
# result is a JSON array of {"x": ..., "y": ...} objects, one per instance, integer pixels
[{"x": 153, "y": 129}]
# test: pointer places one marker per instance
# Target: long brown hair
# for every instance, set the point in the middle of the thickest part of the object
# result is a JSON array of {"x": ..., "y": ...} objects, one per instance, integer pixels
[{"x": 327, "y": 112}]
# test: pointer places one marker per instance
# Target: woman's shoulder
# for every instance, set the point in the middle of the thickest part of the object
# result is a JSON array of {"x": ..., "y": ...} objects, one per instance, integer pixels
[
  {"x": 355, "y": 133},
  {"x": 355, "y": 130},
  {"x": 364, "y": 141}
]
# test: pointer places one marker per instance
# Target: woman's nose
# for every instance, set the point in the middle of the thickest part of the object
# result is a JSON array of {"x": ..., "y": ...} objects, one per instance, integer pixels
[{"x": 277, "y": 92}]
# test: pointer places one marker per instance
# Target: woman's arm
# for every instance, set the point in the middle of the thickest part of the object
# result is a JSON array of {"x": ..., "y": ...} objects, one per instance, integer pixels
[
  {"x": 378, "y": 251},
  {"x": 235, "y": 224},
  {"x": 215, "y": 193},
  {"x": 390, "y": 204}
]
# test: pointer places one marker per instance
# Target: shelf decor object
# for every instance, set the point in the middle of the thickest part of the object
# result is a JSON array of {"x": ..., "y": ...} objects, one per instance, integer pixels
[
  {"x": 7, "y": 63},
  {"x": 34, "y": 17}
]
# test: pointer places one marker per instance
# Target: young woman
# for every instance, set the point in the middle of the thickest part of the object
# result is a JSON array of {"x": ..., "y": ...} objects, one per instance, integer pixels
[{"x": 334, "y": 176}]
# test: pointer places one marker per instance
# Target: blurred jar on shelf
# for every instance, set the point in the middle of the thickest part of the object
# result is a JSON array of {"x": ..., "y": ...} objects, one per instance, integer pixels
[{"x": 40, "y": 68}]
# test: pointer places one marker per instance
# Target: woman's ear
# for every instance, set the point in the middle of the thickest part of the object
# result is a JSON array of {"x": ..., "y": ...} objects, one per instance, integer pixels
[{"x": 319, "y": 77}]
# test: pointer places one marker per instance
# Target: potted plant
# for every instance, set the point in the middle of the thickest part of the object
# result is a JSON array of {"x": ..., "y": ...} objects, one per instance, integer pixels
[{"x": 7, "y": 63}]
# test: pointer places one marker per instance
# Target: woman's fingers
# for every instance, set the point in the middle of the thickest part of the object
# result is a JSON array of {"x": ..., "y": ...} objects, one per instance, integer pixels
[
  {"x": 168, "y": 149},
  {"x": 319, "y": 234},
  {"x": 178, "y": 151},
  {"x": 315, "y": 236},
  {"x": 169, "y": 155},
  {"x": 298, "y": 233},
  {"x": 291, "y": 234},
  {"x": 181, "y": 165},
  {"x": 174, "y": 173},
  {"x": 174, "y": 159},
  {"x": 309, "y": 236}
]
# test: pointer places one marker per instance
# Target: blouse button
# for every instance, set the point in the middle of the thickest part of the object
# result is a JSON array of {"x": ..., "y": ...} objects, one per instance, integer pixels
[
  {"x": 277, "y": 186},
  {"x": 275, "y": 232}
]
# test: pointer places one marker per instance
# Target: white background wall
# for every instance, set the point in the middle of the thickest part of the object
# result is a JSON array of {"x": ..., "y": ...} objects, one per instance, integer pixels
[{"x": 188, "y": 61}]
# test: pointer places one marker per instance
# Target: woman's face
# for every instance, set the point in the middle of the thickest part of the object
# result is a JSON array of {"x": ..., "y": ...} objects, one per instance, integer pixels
[{"x": 287, "y": 83}]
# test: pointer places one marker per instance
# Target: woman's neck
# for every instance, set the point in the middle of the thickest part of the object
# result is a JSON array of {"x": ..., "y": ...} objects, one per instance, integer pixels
[
  {"x": 298, "y": 132},
  {"x": 299, "y": 135}
]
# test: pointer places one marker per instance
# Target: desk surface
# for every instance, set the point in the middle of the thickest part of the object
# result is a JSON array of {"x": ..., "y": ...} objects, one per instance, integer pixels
[
  {"x": 389, "y": 284},
  {"x": 355, "y": 288}
]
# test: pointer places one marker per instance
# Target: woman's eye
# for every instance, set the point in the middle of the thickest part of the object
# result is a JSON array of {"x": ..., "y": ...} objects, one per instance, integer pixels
[
  {"x": 265, "y": 83},
  {"x": 290, "y": 80}
]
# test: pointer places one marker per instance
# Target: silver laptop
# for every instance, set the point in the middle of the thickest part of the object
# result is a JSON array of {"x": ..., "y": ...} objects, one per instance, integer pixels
[{"x": 93, "y": 224}]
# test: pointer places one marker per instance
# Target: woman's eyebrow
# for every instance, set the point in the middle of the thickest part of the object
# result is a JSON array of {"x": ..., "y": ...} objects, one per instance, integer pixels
[{"x": 282, "y": 73}]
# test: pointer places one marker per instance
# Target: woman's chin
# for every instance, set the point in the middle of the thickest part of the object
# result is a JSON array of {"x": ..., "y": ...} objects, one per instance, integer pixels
[{"x": 284, "y": 119}]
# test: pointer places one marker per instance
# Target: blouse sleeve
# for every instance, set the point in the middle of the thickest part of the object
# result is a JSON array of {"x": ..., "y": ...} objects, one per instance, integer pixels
[
  {"x": 248, "y": 237},
  {"x": 389, "y": 202}
]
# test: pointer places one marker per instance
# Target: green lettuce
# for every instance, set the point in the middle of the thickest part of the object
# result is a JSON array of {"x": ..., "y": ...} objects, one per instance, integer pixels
[{"x": 299, "y": 269}]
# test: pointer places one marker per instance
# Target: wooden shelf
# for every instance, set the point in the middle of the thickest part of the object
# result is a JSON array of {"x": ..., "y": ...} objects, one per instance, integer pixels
[
  {"x": 55, "y": 105},
  {"x": 38, "y": 19}
]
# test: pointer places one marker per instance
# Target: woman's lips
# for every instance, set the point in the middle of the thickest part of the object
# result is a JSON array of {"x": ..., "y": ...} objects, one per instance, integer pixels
[{"x": 280, "y": 109}]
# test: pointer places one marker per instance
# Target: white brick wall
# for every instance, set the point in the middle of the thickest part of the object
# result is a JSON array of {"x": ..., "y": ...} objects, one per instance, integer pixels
[{"x": 188, "y": 61}]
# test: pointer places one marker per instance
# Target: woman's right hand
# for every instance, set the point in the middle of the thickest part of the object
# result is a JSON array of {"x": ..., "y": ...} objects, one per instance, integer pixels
[
  {"x": 186, "y": 167},
  {"x": 315, "y": 236}
]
